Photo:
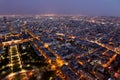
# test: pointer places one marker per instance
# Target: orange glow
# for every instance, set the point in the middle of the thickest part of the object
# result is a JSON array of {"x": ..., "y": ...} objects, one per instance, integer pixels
[
  {"x": 80, "y": 62},
  {"x": 53, "y": 67},
  {"x": 105, "y": 52},
  {"x": 111, "y": 60},
  {"x": 60, "y": 62},
  {"x": 30, "y": 73},
  {"x": 46, "y": 45}
]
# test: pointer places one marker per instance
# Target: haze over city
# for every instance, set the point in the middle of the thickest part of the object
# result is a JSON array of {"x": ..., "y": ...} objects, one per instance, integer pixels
[{"x": 76, "y": 7}]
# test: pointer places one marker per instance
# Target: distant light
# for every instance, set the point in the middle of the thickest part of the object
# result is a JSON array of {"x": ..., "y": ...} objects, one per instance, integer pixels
[
  {"x": 46, "y": 45},
  {"x": 60, "y": 34},
  {"x": 51, "y": 78},
  {"x": 24, "y": 47},
  {"x": 51, "y": 18},
  {"x": 28, "y": 65},
  {"x": 66, "y": 63}
]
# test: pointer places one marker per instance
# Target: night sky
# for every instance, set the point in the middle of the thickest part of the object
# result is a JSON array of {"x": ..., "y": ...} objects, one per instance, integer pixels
[{"x": 74, "y": 7}]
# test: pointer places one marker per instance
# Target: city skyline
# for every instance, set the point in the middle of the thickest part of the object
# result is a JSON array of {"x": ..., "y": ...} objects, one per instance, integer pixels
[{"x": 76, "y": 7}]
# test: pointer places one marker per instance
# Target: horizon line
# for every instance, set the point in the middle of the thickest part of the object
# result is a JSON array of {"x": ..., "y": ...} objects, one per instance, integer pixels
[{"x": 53, "y": 14}]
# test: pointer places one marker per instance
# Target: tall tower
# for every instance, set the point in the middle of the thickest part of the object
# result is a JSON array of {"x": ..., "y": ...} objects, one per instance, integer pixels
[
  {"x": 11, "y": 29},
  {"x": 4, "y": 20}
]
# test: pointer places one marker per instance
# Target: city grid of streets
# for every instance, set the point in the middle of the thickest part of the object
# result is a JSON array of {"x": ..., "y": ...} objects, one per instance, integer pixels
[{"x": 59, "y": 48}]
